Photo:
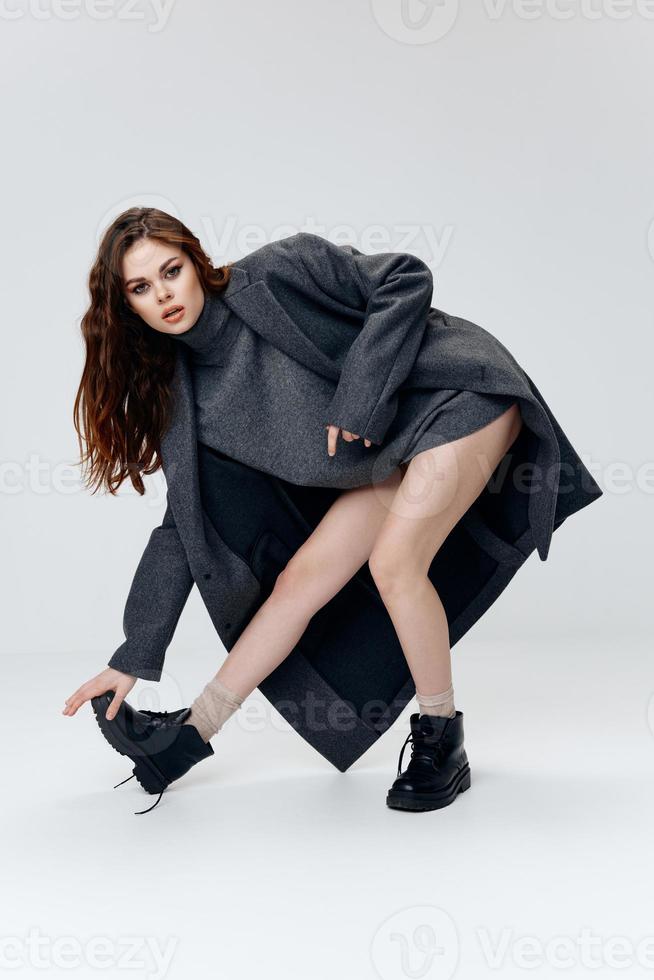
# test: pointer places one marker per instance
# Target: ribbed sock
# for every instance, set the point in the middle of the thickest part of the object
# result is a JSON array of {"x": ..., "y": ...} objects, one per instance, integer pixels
[
  {"x": 212, "y": 708},
  {"x": 437, "y": 704}
]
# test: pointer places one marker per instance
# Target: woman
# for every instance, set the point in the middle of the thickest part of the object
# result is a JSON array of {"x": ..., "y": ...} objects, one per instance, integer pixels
[{"x": 297, "y": 344}]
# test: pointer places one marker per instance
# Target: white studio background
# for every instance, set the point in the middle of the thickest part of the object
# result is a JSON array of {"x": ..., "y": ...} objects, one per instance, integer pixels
[{"x": 508, "y": 144}]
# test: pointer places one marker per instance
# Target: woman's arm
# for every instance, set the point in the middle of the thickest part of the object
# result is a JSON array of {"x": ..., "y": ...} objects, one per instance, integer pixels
[
  {"x": 159, "y": 590},
  {"x": 161, "y": 585},
  {"x": 395, "y": 290}
]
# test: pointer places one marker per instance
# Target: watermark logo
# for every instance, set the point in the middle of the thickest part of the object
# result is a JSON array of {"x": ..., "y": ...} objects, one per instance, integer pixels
[
  {"x": 415, "y": 21},
  {"x": 416, "y": 942},
  {"x": 427, "y": 21}
]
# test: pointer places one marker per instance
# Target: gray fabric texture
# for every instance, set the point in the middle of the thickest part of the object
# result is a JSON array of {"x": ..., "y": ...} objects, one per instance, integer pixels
[
  {"x": 355, "y": 334},
  {"x": 259, "y": 405}
]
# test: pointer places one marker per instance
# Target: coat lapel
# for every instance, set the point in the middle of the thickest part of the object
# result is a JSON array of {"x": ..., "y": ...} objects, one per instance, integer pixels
[
  {"x": 179, "y": 451},
  {"x": 258, "y": 308},
  {"x": 180, "y": 462}
]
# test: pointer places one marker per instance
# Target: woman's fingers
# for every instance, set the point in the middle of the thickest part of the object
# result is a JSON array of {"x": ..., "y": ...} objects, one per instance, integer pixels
[
  {"x": 115, "y": 705},
  {"x": 76, "y": 700},
  {"x": 73, "y": 702},
  {"x": 68, "y": 703},
  {"x": 332, "y": 436},
  {"x": 352, "y": 436},
  {"x": 84, "y": 694},
  {"x": 108, "y": 680}
]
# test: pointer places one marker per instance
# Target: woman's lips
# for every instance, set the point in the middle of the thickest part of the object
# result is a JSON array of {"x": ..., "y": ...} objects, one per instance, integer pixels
[{"x": 175, "y": 317}]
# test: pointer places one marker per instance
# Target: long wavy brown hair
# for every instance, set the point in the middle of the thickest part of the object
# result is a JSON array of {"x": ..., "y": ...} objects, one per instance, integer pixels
[{"x": 123, "y": 403}]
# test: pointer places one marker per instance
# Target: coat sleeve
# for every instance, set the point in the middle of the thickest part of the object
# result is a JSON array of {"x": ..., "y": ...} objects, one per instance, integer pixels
[
  {"x": 161, "y": 585},
  {"x": 395, "y": 290}
]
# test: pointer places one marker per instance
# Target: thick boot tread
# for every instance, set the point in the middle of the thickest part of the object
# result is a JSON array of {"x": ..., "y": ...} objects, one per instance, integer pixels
[
  {"x": 397, "y": 800},
  {"x": 146, "y": 772}
]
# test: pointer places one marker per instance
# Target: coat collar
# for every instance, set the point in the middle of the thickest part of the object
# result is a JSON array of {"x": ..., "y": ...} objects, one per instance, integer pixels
[
  {"x": 214, "y": 313},
  {"x": 255, "y": 304}
]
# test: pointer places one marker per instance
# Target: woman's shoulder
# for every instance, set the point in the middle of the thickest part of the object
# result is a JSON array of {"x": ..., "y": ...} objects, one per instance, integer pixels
[{"x": 280, "y": 253}]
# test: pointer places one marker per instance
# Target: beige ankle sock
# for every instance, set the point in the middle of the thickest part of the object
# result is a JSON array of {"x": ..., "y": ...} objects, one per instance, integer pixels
[
  {"x": 212, "y": 708},
  {"x": 437, "y": 704}
]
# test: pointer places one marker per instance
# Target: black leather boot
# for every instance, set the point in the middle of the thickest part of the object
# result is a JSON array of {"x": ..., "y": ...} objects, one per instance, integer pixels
[
  {"x": 161, "y": 747},
  {"x": 438, "y": 769}
]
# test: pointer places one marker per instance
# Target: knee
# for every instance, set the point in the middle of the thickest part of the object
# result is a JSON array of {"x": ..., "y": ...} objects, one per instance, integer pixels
[
  {"x": 294, "y": 581},
  {"x": 392, "y": 571}
]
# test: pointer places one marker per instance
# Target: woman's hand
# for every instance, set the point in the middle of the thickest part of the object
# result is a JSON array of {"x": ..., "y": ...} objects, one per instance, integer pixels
[
  {"x": 332, "y": 436},
  {"x": 107, "y": 680}
]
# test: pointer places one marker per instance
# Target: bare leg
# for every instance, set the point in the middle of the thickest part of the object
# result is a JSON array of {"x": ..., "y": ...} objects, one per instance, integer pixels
[
  {"x": 328, "y": 559},
  {"x": 438, "y": 487}
]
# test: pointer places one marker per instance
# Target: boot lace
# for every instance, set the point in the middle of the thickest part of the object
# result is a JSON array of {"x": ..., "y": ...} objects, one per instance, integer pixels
[
  {"x": 153, "y": 805},
  {"x": 150, "y": 807},
  {"x": 124, "y": 781},
  {"x": 152, "y": 714},
  {"x": 418, "y": 742}
]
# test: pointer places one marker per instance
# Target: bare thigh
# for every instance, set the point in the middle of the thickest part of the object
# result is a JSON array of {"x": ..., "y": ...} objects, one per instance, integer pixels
[
  {"x": 438, "y": 487},
  {"x": 341, "y": 543}
]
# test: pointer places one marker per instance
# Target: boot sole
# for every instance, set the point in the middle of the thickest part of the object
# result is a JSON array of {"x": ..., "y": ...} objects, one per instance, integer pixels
[
  {"x": 147, "y": 774},
  {"x": 398, "y": 800}
]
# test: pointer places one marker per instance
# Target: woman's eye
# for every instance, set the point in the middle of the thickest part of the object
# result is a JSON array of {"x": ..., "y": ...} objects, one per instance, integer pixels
[{"x": 173, "y": 268}]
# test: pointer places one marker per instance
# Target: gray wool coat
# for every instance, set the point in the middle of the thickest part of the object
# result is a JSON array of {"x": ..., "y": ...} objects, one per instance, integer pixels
[{"x": 364, "y": 327}]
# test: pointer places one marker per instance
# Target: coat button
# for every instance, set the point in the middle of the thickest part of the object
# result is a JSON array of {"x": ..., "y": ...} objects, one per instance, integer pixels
[
  {"x": 228, "y": 626},
  {"x": 207, "y": 574}
]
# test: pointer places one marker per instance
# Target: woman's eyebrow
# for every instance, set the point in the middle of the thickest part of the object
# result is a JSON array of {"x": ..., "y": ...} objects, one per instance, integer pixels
[{"x": 161, "y": 269}]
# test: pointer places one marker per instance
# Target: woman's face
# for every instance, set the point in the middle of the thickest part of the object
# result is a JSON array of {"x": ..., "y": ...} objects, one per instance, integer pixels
[{"x": 160, "y": 278}]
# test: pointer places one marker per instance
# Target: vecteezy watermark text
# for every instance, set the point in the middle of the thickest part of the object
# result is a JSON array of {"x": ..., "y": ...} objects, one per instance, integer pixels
[
  {"x": 155, "y": 13},
  {"x": 41, "y": 476},
  {"x": 37, "y": 950}
]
